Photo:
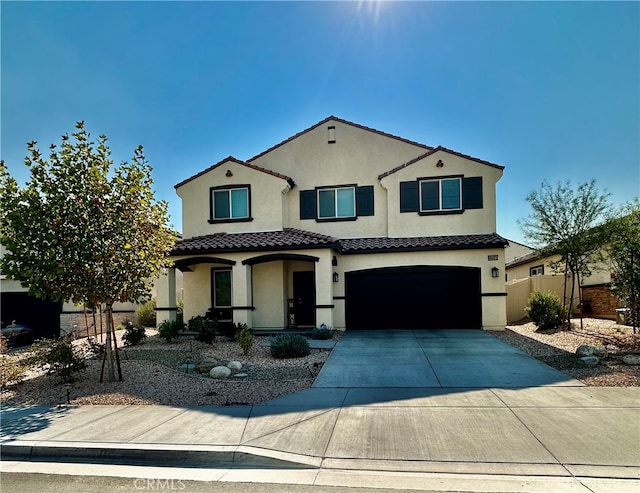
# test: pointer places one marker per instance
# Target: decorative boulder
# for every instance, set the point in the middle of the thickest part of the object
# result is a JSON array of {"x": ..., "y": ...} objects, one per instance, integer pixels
[
  {"x": 234, "y": 365},
  {"x": 220, "y": 372},
  {"x": 589, "y": 361},
  {"x": 206, "y": 365},
  {"x": 587, "y": 350},
  {"x": 631, "y": 359}
]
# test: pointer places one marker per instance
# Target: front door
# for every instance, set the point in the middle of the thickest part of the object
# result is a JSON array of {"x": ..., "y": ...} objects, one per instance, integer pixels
[{"x": 304, "y": 294}]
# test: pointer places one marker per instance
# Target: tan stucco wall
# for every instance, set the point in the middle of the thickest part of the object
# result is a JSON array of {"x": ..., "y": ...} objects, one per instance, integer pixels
[
  {"x": 267, "y": 200},
  {"x": 273, "y": 284},
  {"x": 515, "y": 250},
  {"x": 473, "y": 221},
  {"x": 269, "y": 295},
  {"x": 357, "y": 157}
]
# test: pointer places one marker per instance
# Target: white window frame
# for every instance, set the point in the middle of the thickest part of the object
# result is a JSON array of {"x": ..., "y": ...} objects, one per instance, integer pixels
[
  {"x": 439, "y": 181},
  {"x": 229, "y": 191},
  {"x": 538, "y": 270},
  {"x": 335, "y": 198}
]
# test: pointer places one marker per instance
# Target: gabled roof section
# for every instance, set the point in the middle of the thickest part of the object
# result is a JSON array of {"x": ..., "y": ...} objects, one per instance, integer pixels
[
  {"x": 433, "y": 151},
  {"x": 242, "y": 163},
  {"x": 345, "y": 122}
]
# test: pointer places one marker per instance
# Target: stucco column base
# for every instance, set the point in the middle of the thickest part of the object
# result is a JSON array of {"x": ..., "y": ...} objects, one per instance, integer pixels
[{"x": 166, "y": 307}]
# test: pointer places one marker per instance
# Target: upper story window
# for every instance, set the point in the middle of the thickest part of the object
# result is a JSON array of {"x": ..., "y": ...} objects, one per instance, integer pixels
[
  {"x": 230, "y": 204},
  {"x": 442, "y": 194},
  {"x": 336, "y": 203}
]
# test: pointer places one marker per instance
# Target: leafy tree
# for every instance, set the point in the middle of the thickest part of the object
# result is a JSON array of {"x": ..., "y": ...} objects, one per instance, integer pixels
[
  {"x": 564, "y": 222},
  {"x": 82, "y": 230},
  {"x": 623, "y": 249}
]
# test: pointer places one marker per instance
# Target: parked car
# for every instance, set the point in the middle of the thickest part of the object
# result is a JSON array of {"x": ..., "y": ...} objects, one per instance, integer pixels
[{"x": 17, "y": 334}]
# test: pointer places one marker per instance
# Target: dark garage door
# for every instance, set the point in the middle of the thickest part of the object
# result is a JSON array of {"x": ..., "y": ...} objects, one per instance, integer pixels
[
  {"x": 43, "y": 317},
  {"x": 417, "y": 297}
]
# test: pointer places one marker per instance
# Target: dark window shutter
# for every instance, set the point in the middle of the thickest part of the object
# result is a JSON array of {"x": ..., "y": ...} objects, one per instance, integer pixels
[
  {"x": 472, "y": 193},
  {"x": 364, "y": 201},
  {"x": 409, "y": 196},
  {"x": 307, "y": 204}
]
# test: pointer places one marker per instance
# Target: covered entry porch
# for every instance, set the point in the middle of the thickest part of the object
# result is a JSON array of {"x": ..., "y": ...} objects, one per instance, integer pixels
[{"x": 266, "y": 291}]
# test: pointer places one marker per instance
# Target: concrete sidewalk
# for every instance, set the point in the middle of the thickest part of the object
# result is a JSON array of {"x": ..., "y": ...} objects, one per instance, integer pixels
[{"x": 351, "y": 431}]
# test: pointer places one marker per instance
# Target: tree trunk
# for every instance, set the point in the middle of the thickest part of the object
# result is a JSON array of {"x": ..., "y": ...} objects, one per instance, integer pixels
[
  {"x": 111, "y": 355},
  {"x": 564, "y": 292},
  {"x": 580, "y": 301},
  {"x": 573, "y": 292}
]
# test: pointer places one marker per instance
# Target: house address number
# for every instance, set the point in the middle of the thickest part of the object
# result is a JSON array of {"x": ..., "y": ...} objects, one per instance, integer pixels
[{"x": 492, "y": 257}]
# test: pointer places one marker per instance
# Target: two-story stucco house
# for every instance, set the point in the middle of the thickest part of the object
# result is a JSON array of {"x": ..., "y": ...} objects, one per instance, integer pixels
[{"x": 343, "y": 225}]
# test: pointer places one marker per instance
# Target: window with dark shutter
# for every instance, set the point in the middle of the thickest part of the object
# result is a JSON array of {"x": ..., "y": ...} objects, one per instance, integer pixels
[
  {"x": 409, "y": 196},
  {"x": 472, "y": 193},
  {"x": 307, "y": 204},
  {"x": 364, "y": 201}
]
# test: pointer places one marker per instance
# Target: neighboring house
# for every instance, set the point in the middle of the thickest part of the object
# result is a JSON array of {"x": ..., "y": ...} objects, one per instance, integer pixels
[
  {"x": 516, "y": 250},
  {"x": 597, "y": 297},
  {"x": 344, "y": 225},
  {"x": 42, "y": 317}
]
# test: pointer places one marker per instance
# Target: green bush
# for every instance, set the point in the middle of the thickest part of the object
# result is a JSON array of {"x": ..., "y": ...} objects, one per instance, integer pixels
[
  {"x": 322, "y": 333},
  {"x": 245, "y": 339},
  {"x": 133, "y": 334},
  {"x": 97, "y": 349},
  {"x": 59, "y": 356},
  {"x": 289, "y": 346},
  {"x": 146, "y": 314},
  {"x": 169, "y": 330},
  {"x": 205, "y": 329},
  {"x": 544, "y": 310}
]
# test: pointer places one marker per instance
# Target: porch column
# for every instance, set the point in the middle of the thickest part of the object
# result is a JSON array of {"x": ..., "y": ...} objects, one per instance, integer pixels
[
  {"x": 166, "y": 307},
  {"x": 241, "y": 301},
  {"x": 324, "y": 290}
]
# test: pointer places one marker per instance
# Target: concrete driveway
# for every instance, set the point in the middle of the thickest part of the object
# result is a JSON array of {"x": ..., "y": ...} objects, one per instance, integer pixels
[{"x": 433, "y": 358}]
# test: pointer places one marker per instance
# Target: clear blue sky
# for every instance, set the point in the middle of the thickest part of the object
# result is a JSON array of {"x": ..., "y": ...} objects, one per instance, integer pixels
[{"x": 549, "y": 90}]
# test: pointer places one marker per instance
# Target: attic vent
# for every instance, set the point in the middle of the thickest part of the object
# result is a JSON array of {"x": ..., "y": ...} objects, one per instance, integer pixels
[{"x": 332, "y": 134}]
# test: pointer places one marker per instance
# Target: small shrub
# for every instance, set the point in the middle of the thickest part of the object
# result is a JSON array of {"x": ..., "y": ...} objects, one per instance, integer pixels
[
  {"x": 4, "y": 347},
  {"x": 245, "y": 339},
  {"x": 289, "y": 346},
  {"x": 169, "y": 330},
  {"x": 146, "y": 314},
  {"x": 59, "y": 356},
  {"x": 11, "y": 372},
  {"x": 97, "y": 349},
  {"x": 544, "y": 310},
  {"x": 133, "y": 334},
  {"x": 322, "y": 333},
  {"x": 204, "y": 327}
]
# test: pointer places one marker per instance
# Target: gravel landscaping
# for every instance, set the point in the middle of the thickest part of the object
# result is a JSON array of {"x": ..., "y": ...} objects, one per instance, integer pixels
[{"x": 155, "y": 372}]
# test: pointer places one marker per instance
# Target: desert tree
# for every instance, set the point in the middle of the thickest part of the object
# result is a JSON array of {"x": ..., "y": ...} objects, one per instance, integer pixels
[
  {"x": 84, "y": 230},
  {"x": 623, "y": 251},
  {"x": 566, "y": 222}
]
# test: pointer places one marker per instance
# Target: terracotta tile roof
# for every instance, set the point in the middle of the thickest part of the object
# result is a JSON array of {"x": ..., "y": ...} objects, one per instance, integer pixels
[
  {"x": 294, "y": 239},
  {"x": 433, "y": 151},
  {"x": 345, "y": 122},
  {"x": 288, "y": 239},
  {"x": 243, "y": 163},
  {"x": 423, "y": 243}
]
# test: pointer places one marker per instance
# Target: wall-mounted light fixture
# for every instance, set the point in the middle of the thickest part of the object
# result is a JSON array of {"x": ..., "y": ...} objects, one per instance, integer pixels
[
  {"x": 495, "y": 272},
  {"x": 334, "y": 261},
  {"x": 336, "y": 277},
  {"x": 228, "y": 174}
]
